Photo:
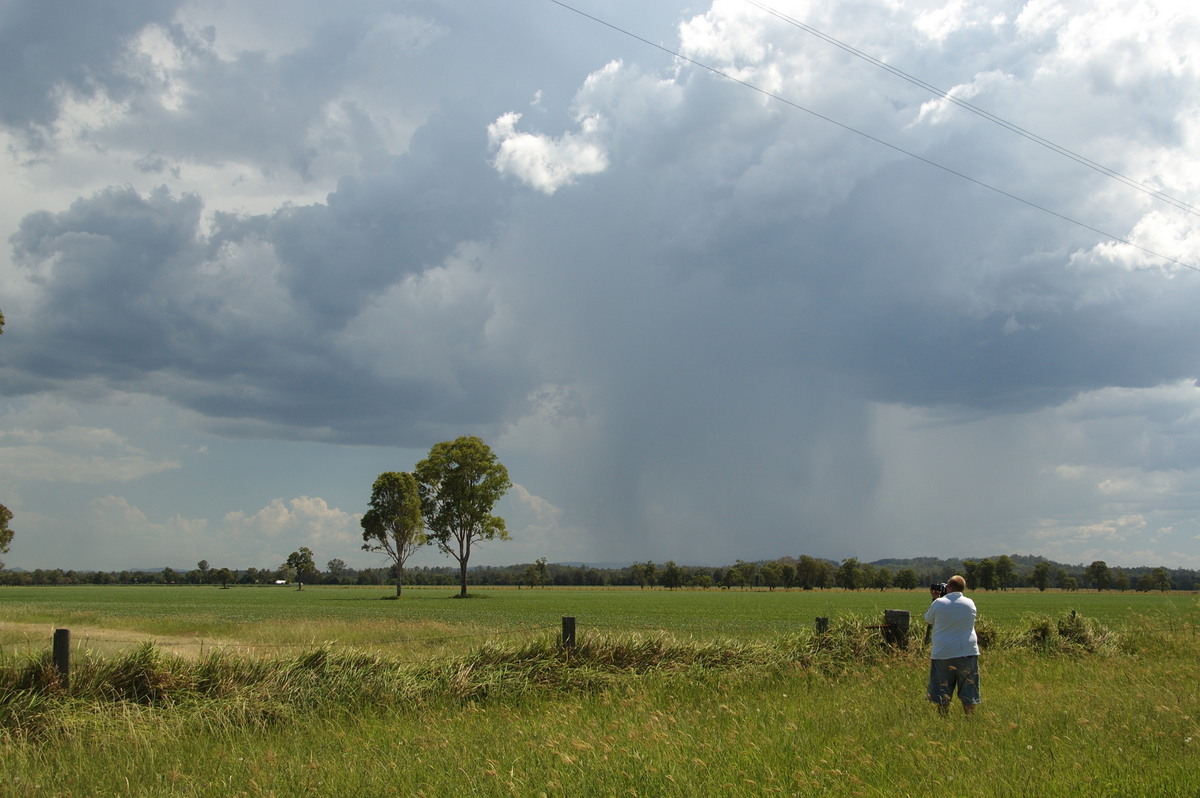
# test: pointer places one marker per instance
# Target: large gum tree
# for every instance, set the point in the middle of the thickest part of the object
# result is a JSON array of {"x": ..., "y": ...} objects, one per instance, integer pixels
[
  {"x": 394, "y": 524},
  {"x": 460, "y": 482}
]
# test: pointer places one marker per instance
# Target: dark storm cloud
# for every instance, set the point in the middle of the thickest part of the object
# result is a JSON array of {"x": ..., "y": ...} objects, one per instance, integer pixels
[
  {"x": 240, "y": 324},
  {"x": 377, "y": 228},
  {"x": 755, "y": 282},
  {"x": 255, "y": 107},
  {"x": 678, "y": 303},
  {"x": 943, "y": 295},
  {"x": 108, "y": 270},
  {"x": 51, "y": 52}
]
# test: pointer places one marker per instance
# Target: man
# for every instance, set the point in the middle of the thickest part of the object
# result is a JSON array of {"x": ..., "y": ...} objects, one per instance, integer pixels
[{"x": 954, "y": 654}]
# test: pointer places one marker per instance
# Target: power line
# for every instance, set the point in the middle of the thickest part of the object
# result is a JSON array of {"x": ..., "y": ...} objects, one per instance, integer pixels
[
  {"x": 868, "y": 136},
  {"x": 1020, "y": 131}
]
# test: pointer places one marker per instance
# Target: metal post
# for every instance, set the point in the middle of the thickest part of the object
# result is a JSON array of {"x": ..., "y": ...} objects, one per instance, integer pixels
[{"x": 62, "y": 656}]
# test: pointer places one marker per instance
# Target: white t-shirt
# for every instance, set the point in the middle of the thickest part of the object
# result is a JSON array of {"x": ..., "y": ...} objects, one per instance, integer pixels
[{"x": 953, "y": 620}]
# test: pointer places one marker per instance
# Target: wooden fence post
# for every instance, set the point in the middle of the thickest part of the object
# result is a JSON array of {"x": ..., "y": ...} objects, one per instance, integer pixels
[
  {"x": 895, "y": 627},
  {"x": 62, "y": 656},
  {"x": 568, "y": 632}
]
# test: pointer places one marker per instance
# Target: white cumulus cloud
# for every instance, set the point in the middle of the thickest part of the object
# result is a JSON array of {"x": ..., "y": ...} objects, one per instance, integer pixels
[{"x": 543, "y": 162}]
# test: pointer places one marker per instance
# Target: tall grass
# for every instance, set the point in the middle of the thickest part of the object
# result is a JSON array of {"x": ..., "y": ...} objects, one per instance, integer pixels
[
  {"x": 1072, "y": 706},
  {"x": 331, "y": 680}
]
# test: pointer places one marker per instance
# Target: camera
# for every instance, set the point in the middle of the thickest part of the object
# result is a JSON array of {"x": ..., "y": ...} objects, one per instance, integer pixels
[{"x": 939, "y": 588}]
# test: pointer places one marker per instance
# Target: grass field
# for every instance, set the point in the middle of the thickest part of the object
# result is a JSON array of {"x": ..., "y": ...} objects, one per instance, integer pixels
[
  {"x": 193, "y": 618},
  {"x": 262, "y": 691}
]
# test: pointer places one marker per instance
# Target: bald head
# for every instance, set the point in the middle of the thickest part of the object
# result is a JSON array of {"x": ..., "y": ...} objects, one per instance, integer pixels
[{"x": 956, "y": 584}]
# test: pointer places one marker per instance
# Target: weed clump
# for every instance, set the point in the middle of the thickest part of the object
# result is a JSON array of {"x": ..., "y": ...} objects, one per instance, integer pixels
[
  {"x": 1070, "y": 634},
  {"x": 147, "y": 675}
]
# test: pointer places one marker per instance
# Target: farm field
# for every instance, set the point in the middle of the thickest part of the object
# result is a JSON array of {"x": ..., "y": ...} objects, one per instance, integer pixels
[
  {"x": 336, "y": 691},
  {"x": 192, "y": 618}
]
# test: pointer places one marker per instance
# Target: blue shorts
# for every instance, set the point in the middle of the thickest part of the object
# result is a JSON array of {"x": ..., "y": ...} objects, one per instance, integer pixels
[{"x": 947, "y": 676}]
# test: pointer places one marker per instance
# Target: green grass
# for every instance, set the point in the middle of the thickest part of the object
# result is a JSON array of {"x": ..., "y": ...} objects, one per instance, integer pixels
[
  {"x": 737, "y": 697},
  {"x": 1052, "y": 724},
  {"x": 261, "y": 617}
]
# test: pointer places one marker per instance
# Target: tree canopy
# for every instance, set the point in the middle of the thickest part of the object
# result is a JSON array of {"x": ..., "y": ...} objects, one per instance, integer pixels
[
  {"x": 6, "y": 533},
  {"x": 848, "y": 574},
  {"x": 460, "y": 482},
  {"x": 303, "y": 564},
  {"x": 394, "y": 525},
  {"x": 1041, "y": 576},
  {"x": 1099, "y": 574}
]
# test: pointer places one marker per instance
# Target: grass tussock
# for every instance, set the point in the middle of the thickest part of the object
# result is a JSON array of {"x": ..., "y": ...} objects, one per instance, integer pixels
[
  {"x": 1070, "y": 634},
  {"x": 228, "y": 690}
]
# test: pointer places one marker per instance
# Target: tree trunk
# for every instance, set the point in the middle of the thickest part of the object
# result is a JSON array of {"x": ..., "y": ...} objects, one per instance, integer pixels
[
  {"x": 462, "y": 568},
  {"x": 399, "y": 577}
]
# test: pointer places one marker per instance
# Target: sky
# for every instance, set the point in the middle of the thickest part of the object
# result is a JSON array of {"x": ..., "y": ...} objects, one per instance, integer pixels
[{"x": 715, "y": 281}]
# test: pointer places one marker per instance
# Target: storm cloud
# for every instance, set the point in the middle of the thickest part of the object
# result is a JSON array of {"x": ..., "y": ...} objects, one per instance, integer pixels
[{"x": 742, "y": 294}]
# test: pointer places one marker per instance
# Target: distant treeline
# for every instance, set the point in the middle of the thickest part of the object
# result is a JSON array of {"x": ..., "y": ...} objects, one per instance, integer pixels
[{"x": 1001, "y": 572}]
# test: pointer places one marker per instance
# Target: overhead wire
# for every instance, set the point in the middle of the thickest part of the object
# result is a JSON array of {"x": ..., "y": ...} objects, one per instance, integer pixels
[
  {"x": 947, "y": 96},
  {"x": 882, "y": 142}
]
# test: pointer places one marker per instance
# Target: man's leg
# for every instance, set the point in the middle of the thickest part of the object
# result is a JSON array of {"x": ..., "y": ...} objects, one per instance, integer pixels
[
  {"x": 940, "y": 690},
  {"x": 968, "y": 683}
]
